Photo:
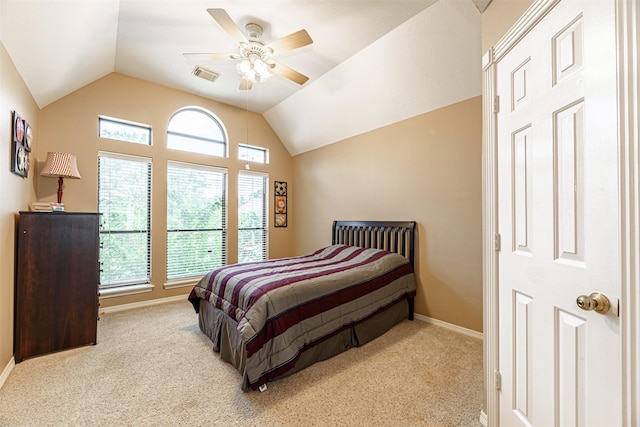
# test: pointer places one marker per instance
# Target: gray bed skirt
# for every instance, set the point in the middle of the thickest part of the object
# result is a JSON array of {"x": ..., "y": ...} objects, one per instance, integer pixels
[{"x": 223, "y": 332}]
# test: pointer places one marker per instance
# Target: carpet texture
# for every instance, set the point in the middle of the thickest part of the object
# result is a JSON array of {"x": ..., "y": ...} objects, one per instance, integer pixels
[{"x": 153, "y": 367}]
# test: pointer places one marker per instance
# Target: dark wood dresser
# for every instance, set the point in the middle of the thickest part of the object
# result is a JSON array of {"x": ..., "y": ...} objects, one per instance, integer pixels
[{"x": 56, "y": 294}]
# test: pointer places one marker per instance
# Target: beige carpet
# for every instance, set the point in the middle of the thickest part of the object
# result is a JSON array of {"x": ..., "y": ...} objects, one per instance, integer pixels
[{"x": 153, "y": 367}]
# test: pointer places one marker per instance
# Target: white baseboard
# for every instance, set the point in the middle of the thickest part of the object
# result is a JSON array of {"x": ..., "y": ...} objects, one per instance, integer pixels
[
  {"x": 456, "y": 328},
  {"x": 483, "y": 419},
  {"x": 148, "y": 303},
  {"x": 7, "y": 370}
]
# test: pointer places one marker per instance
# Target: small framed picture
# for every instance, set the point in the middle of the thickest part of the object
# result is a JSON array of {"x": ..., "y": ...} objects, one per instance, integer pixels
[
  {"x": 281, "y": 220},
  {"x": 19, "y": 148},
  {"x": 280, "y": 203},
  {"x": 28, "y": 136},
  {"x": 18, "y": 128}
]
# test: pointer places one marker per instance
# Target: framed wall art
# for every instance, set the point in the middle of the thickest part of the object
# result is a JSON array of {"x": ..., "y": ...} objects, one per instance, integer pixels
[
  {"x": 280, "y": 203},
  {"x": 21, "y": 138}
]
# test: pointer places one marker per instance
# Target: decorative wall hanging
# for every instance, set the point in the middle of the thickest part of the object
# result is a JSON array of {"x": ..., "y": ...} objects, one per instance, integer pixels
[
  {"x": 21, "y": 138},
  {"x": 280, "y": 203}
]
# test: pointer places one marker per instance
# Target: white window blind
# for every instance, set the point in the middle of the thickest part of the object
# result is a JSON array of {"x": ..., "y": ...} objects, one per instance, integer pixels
[
  {"x": 196, "y": 219},
  {"x": 252, "y": 217},
  {"x": 124, "y": 199}
]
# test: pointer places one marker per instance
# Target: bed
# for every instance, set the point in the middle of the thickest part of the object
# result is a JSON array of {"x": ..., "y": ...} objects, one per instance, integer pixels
[{"x": 272, "y": 318}]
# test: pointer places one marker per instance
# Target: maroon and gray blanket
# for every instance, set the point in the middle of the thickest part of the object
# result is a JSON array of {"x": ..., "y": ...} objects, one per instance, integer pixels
[{"x": 285, "y": 305}]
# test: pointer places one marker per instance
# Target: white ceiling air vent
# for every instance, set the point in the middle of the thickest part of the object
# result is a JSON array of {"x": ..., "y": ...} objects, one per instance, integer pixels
[{"x": 203, "y": 73}]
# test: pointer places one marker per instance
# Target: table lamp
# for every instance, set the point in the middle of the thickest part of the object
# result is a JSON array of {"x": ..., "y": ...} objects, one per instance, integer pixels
[{"x": 60, "y": 165}]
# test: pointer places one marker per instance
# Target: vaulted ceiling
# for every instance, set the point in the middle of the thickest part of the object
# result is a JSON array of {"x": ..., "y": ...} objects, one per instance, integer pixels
[{"x": 372, "y": 62}]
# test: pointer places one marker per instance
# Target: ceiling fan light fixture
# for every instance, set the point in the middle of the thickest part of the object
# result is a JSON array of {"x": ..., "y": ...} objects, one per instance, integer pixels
[
  {"x": 244, "y": 66},
  {"x": 253, "y": 56},
  {"x": 262, "y": 69},
  {"x": 253, "y": 69}
]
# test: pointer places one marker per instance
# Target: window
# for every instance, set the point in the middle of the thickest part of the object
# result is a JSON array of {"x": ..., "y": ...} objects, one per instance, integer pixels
[
  {"x": 124, "y": 199},
  {"x": 196, "y": 219},
  {"x": 252, "y": 217},
  {"x": 197, "y": 131},
  {"x": 124, "y": 131},
  {"x": 252, "y": 154}
]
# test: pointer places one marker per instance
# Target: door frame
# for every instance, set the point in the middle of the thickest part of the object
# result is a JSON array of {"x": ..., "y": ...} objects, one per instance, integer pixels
[{"x": 627, "y": 24}]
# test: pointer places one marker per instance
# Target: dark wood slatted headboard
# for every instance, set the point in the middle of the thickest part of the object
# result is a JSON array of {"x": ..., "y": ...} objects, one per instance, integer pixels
[{"x": 393, "y": 236}]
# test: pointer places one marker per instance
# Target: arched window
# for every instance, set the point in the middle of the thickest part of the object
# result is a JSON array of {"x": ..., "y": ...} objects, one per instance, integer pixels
[{"x": 197, "y": 130}]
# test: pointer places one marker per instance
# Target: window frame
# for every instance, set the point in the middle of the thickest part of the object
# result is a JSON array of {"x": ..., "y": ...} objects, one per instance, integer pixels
[
  {"x": 125, "y": 123},
  {"x": 214, "y": 119},
  {"x": 265, "y": 151}
]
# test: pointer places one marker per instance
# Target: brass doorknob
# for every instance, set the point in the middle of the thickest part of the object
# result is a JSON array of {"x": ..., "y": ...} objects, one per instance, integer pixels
[{"x": 596, "y": 301}]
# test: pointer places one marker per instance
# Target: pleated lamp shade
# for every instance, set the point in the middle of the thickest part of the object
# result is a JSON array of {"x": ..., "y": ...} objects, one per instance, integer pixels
[{"x": 60, "y": 165}]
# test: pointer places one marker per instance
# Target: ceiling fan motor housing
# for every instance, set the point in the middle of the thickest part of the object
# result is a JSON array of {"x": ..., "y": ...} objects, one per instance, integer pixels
[
  {"x": 255, "y": 49},
  {"x": 254, "y": 31}
]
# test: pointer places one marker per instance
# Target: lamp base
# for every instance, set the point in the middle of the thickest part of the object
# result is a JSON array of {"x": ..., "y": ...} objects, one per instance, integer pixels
[{"x": 60, "y": 181}]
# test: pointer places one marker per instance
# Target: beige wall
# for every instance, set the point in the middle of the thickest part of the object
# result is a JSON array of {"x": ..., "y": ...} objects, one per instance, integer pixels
[
  {"x": 71, "y": 125},
  {"x": 426, "y": 169},
  {"x": 499, "y": 17},
  {"x": 16, "y": 193}
]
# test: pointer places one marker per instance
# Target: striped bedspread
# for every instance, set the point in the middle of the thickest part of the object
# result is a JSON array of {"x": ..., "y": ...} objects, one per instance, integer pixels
[{"x": 285, "y": 305}]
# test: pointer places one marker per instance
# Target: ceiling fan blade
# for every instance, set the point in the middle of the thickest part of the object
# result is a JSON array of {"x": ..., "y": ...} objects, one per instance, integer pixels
[
  {"x": 227, "y": 24},
  {"x": 246, "y": 84},
  {"x": 292, "y": 41},
  {"x": 289, "y": 73},
  {"x": 208, "y": 56}
]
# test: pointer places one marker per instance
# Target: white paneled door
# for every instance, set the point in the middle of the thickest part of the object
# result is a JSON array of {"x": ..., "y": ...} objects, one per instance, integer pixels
[{"x": 558, "y": 220}]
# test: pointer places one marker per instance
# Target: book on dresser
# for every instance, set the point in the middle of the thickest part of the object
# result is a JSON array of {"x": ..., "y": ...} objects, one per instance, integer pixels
[{"x": 56, "y": 288}]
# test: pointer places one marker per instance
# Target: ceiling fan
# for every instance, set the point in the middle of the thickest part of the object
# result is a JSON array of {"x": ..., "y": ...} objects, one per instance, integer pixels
[{"x": 255, "y": 57}]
